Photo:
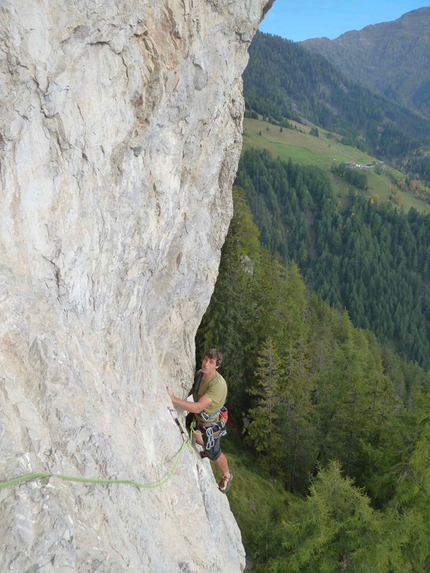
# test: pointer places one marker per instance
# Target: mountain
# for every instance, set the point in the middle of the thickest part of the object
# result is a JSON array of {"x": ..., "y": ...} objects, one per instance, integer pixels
[
  {"x": 285, "y": 81},
  {"x": 391, "y": 58}
]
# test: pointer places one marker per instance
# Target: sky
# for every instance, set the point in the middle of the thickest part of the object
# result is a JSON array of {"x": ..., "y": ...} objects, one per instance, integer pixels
[{"x": 303, "y": 19}]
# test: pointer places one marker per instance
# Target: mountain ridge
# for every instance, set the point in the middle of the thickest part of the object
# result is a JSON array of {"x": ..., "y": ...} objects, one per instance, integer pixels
[
  {"x": 284, "y": 80},
  {"x": 390, "y": 58}
]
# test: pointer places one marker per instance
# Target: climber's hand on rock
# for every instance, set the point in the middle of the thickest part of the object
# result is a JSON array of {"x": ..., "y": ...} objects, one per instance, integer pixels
[{"x": 171, "y": 393}]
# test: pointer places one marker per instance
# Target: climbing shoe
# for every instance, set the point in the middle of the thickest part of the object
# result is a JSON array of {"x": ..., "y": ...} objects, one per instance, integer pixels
[{"x": 224, "y": 484}]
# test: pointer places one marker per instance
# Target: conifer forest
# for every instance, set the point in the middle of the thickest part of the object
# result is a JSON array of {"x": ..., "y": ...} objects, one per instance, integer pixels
[{"x": 322, "y": 310}]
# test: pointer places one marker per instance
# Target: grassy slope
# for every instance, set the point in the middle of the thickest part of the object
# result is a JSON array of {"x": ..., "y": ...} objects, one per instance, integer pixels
[
  {"x": 254, "y": 496},
  {"x": 306, "y": 149}
]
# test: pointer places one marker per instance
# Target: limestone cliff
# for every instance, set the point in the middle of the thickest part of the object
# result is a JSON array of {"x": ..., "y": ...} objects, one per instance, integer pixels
[{"x": 120, "y": 130}]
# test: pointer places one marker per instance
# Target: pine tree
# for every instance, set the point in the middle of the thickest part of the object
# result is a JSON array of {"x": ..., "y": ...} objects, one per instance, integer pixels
[
  {"x": 333, "y": 531},
  {"x": 298, "y": 412},
  {"x": 263, "y": 427},
  {"x": 412, "y": 499}
]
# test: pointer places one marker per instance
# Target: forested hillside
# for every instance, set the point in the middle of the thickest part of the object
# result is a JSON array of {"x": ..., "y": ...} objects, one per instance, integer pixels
[
  {"x": 308, "y": 145},
  {"x": 322, "y": 310},
  {"x": 355, "y": 252},
  {"x": 391, "y": 58},
  {"x": 317, "y": 397},
  {"x": 285, "y": 81}
]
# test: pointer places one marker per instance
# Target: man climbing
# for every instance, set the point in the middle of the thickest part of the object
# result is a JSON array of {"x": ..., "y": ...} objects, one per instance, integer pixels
[{"x": 209, "y": 393}]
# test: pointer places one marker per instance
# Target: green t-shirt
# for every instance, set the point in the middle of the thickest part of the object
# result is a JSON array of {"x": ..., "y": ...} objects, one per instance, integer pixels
[{"x": 214, "y": 388}]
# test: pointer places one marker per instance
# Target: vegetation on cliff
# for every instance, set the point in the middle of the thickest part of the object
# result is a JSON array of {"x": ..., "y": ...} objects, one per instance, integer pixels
[
  {"x": 327, "y": 411},
  {"x": 322, "y": 308},
  {"x": 356, "y": 252}
]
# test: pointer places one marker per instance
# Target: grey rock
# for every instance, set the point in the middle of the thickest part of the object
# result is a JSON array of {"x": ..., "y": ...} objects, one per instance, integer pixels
[{"x": 120, "y": 133}]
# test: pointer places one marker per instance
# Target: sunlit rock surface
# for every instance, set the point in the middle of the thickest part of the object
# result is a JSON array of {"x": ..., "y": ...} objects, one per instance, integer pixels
[{"x": 120, "y": 131}]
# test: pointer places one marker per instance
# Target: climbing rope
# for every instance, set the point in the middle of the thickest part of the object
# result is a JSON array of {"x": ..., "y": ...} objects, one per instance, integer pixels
[{"x": 34, "y": 476}]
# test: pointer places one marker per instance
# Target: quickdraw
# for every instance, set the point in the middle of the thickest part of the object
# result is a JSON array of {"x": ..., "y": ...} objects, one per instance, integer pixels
[
  {"x": 174, "y": 415},
  {"x": 213, "y": 434}
]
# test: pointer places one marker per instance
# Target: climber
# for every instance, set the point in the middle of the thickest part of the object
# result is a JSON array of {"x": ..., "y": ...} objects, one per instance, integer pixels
[{"x": 209, "y": 393}]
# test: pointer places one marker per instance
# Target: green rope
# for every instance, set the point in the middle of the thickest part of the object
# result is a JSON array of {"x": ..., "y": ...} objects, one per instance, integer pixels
[{"x": 29, "y": 477}]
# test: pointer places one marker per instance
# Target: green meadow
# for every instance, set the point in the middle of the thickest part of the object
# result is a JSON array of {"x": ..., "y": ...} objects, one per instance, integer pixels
[{"x": 324, "y": 151}]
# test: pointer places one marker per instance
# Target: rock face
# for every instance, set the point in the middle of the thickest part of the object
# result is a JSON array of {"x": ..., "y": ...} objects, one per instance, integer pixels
[{"x": 120, "y": 131}]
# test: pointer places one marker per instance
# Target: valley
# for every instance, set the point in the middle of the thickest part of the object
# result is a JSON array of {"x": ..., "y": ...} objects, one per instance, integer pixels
[{"x": 323, "y": 152}]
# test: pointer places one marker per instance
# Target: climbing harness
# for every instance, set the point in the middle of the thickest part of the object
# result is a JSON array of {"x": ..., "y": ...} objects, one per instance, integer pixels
[
  {"x": 29, "y": 477},
  {"x": 223, "y": 416}
]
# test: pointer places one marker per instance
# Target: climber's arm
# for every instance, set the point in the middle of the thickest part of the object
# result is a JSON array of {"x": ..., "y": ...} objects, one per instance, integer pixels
[{"x": 193, "y": 407}]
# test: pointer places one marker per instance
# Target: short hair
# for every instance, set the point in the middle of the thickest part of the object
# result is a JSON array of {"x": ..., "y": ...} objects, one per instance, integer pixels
[{"x": 214, "y": 353}]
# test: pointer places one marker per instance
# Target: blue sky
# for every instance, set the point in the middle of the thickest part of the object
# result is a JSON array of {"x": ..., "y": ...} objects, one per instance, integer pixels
[{"x": 302, "y": 19}]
